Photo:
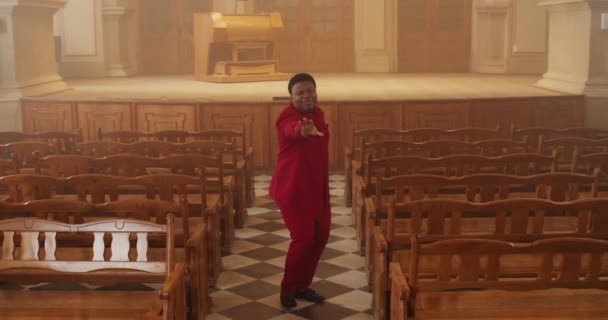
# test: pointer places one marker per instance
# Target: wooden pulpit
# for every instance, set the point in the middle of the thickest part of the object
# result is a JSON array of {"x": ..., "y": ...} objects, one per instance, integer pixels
[{"x": 236, "y": 48}]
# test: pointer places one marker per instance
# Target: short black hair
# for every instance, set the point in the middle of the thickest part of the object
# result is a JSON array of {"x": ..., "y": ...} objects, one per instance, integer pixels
[{"x": 300, "y": 77}]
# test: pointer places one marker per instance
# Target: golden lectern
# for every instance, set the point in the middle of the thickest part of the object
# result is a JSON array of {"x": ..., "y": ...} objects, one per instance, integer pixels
[{"x": 236, "y": 48}]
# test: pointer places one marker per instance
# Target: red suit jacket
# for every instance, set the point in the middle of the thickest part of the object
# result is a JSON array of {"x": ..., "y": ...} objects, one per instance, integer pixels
[{"x": 300, "y": 183}]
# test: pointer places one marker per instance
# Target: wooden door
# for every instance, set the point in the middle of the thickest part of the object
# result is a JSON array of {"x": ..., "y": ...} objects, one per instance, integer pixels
[
  {"x": 434, "y": 35},
  {"x": 318, "y": 35},
  {"x": 166, "y": 33}
]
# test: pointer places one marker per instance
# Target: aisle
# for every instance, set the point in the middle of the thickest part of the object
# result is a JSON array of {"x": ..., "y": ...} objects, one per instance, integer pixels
[{"x": 248, "y": 288}]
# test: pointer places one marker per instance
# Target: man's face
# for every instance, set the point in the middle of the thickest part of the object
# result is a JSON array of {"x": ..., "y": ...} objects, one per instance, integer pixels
[{"x": 304, "y": 96}]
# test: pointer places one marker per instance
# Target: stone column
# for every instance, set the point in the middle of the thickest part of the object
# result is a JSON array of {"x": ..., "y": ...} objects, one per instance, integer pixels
[
  {"x": 578, "y": 54},
  {"x": 116, "y": 38},
  {"x": 27, "y": 55},
  {"x": 376, "y": 35}
]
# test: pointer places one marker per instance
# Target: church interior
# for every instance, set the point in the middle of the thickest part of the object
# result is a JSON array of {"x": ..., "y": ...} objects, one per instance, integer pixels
[{"x": 467, "y": 166}]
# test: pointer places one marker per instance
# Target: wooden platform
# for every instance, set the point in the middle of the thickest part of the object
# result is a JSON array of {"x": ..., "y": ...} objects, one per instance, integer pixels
[{"x": 350, "y": 101}]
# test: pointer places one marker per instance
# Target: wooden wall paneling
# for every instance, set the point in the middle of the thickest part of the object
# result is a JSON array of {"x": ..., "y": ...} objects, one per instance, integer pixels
[
  {"x": 156, "y": 117},
  {"x": 48, "y": 116},
  {"x": 560, "y": 112},
  {"x": 108, "y": 117},
  {"x": 234, "y": 116},
  {"x": 504, "y": 112},
  {"x": 365, "y": 115},
  {"x": 435, "y": 114}
]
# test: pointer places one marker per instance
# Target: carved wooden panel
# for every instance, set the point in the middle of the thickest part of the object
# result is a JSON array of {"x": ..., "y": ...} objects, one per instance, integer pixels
[
  {"x": 157, "y": 117},
  {"x": 330, "y": 111},
  {"x": 365, "y": 115},
  {"x": 489, "y": 113},
  {"x": 234, "y": 116},
  {"x": 105, "y": 116},
  {"x": 560, "y": 112},
  {"x": 442, "y": 115},
  {"x": 48, "y": 116}
]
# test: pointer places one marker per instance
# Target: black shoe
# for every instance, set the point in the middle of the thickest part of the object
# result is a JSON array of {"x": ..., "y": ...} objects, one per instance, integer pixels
[
  {"x": 309, "y": 294},
  {"x": 288, "y": 300}
]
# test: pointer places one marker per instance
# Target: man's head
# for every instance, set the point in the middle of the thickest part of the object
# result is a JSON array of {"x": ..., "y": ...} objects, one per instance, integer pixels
[{"x": 303, "y": 90}]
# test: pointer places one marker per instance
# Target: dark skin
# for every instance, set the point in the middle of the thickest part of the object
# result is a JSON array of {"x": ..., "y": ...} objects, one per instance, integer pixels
[{"x": 304, "y": 98}]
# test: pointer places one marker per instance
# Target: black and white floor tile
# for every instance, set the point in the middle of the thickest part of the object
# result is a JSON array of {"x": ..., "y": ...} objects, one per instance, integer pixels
[{"x": 249, "y": 286}]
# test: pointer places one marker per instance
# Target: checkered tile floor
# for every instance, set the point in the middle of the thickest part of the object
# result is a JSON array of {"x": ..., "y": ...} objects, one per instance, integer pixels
[{"x": 249, "y": 286}]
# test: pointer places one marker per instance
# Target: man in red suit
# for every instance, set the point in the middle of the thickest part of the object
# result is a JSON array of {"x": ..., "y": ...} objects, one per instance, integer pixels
[{"x": 300, "y": 187}]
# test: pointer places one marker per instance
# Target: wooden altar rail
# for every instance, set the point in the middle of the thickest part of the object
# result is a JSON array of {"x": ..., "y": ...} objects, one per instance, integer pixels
[{"x": 44, "y": 114}]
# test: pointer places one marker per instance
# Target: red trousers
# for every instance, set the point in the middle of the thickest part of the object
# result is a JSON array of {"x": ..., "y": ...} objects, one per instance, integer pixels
[{"x": 309, "y": 235}]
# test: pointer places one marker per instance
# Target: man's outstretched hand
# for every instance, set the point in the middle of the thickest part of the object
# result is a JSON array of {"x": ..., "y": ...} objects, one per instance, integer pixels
[{"x": 308, "y": 128}]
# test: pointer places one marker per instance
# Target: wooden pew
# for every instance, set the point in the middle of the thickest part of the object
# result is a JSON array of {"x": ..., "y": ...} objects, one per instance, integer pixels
[
  {"x": 99, "y": 149},
  {"x": 452, "y": 165},
  {"x": 64, "y": 141},
  {"x": 244, "y": 151},
  {"x": 192, "y": 248},
  {"x": 27, "y": 259},
  {"x": 123, "y": 136},
  {"x": 233, "y": 169},
  {"x": 475, "y": 188},
  {"x": 360, "y": 136},
  {"x": 130, "y": 165},
  {"x": 499, "y": 294},
  {"x": 25, "y": 154},
  {"x": 568, "y": 149},
  {"x": 510, "y": 219},
  {"x": 187, "y": 191}
]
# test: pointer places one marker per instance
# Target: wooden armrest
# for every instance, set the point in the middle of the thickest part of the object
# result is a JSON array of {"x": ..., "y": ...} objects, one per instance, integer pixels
[
  {"x": 379, "y": 239},
  {"x": 370, "y": 207},
  {"x": 249, "y": 152},
  {"x": 400, "y": 291},
  {"x": 361, "y": 183},
  {"x": 357, "y": 165},
  {"x": 173, "y": 281},
  {"x": 197, "y": 237},
  {"x": 240, "y": 164}
]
